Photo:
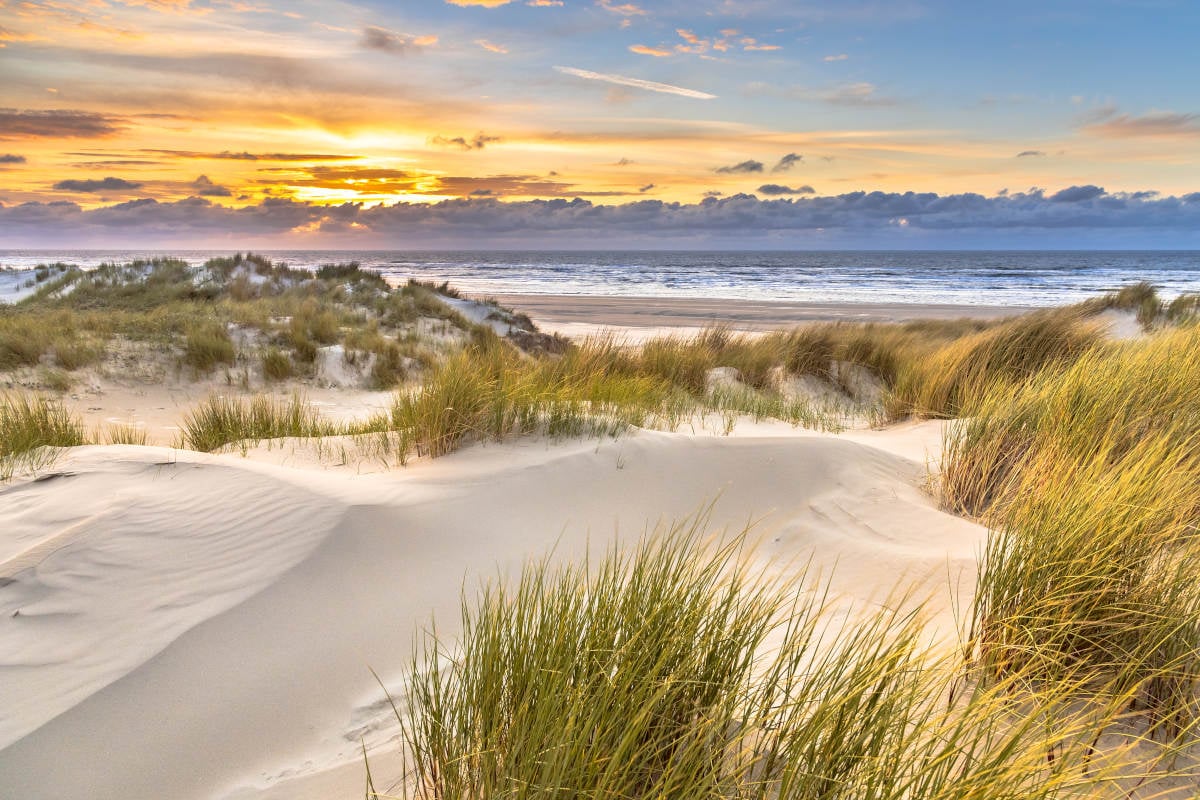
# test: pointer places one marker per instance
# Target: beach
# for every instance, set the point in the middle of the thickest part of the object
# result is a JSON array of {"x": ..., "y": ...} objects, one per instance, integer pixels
[{"x": 642, "y": 317}]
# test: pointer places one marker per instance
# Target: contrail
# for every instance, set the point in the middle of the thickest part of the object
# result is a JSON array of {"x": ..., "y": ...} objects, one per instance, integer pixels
[{"x": 637, "y": 83}]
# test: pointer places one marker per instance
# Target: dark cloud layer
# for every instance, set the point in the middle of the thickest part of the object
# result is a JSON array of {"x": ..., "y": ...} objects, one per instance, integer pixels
[
  {"x": 374, "y": 38},
  {"x": 1080, "y": 214},
  {"x": 777, "y": 189},
  {"x": 55, "y": 124},
  {"x": 476, "y": 142},
  {"x": 243, "y": 156},
  {"x": 787, "y": 162},
  {"x": 1030, "y": 154},
  {"x": 9, "y": 158},
  {"x": 744, "y": 168},
  {"x": 97, "y": 185},
  {"x": 1076, "y": 194},
  {"x": 204, "y": 187}
]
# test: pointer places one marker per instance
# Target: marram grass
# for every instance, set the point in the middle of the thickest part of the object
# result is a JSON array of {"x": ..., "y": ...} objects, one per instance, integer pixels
[
  {"x": 673, "y": 670},
  {"x": 1090, "y": 479},
  {"x": 31, "y": 430}
]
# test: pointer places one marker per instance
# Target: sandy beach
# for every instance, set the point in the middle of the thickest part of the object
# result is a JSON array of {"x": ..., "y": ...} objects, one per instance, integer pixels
[{"x": 642, "y": 317}]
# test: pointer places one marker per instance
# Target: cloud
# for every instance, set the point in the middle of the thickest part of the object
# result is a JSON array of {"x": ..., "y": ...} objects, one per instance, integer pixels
[
  {"x": 750, "y": 43},
  {"x": 543, "y": 3},
  {"x": 744, "y": 168},
  {"x": 646, "y": 188},
  {"x": 857, "y": 94},
  {"x": 56, "y": 123},
  {"x": 1030, "y": 154},
  {"x": 93, "y": 185},
  {"x": 480, "y": 3},
  {"x": 624, "y": 162},
  {"x": 9, "y": 35},
  {"x": 636, "y": 83},
  {"x": 377, "y": 181},
  {"x": 1076, "y": 194},
  {"x": 374, "y": 38},
  {"x": 862, "y": 217},
  {"x": 500, "y": 185},
  {"x": 838, "y": 57},
  {"x": 115, "y": 162},
  {"x": 478, "y": 142},
  {"x": 491, "y": 46},
  {"x": 644, "y": 50},
  {"x": 624, "y": 9},
  {"x": 787, "y": 162},
  {"x": 206, "y": 188},
  {"x": 861, "y": 94},
  {"x": 1163, "y": 124},
  {"x": 9, "y": 158},
  {"x": 700, "y": 45},
  {"x": 244, "y": 156},
  {"x": 777, "y": 189}
]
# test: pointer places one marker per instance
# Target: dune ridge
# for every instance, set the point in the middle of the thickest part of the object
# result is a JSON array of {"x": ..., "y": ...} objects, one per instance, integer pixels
[{"x": 247, "y": 672}]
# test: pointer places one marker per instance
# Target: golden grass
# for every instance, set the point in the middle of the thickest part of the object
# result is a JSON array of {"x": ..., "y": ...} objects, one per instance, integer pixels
[
  {"x": 674, "y": 670},
  {"x": 31, "y": 428},
  {"x": 1090, "y": 478}
]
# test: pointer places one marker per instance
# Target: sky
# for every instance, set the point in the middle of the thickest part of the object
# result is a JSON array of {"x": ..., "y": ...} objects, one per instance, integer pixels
[{"x": 600, "y": 123}]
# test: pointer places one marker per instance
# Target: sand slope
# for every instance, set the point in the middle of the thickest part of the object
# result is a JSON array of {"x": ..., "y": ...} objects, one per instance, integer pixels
[{"x": 202, "y": 626}]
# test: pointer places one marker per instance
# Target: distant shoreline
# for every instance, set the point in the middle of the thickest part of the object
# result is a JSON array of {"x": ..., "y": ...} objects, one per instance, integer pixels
[{"x": 581, "y": 314}]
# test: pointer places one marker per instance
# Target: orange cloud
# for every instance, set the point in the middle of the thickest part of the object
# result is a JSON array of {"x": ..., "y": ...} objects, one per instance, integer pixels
[
  {"x": 491, "y": 46},
  {"x": 750, "y": 43},
  {"x": 1162, "y": 125},
  {"x": 625, "y": 9},
  {"x": 657, "y": 52},
  {"x": 7, "y": 35}
]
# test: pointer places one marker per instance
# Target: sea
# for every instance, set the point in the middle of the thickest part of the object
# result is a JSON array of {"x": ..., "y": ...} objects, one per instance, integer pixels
[{"x": 991, "y": 278}]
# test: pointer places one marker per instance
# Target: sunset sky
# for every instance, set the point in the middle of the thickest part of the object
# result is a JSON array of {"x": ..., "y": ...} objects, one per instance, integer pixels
[{"x": 748, "y": 122}]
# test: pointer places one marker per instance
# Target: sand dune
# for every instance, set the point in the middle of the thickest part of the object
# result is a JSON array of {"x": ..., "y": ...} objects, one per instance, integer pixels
[{"x": 203, "y": 626}]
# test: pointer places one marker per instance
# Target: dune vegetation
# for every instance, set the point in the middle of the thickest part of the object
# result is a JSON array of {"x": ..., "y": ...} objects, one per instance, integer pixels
[
  {"x": 242, "y": 312},
  {"x": 675, "y": 670},
  {"x": 30, "y": 430}
]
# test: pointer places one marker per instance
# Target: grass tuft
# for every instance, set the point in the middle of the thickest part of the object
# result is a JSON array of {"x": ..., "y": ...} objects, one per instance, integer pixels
[
  {"x": 29, "y": 430},
  {"x": 220, "y": 421},
  {"x": 207, "y": 345},
  {"x": 125, "y": 434},
  {"x": 672, "y": 670},
  {"x": 276, "y": 366}
]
